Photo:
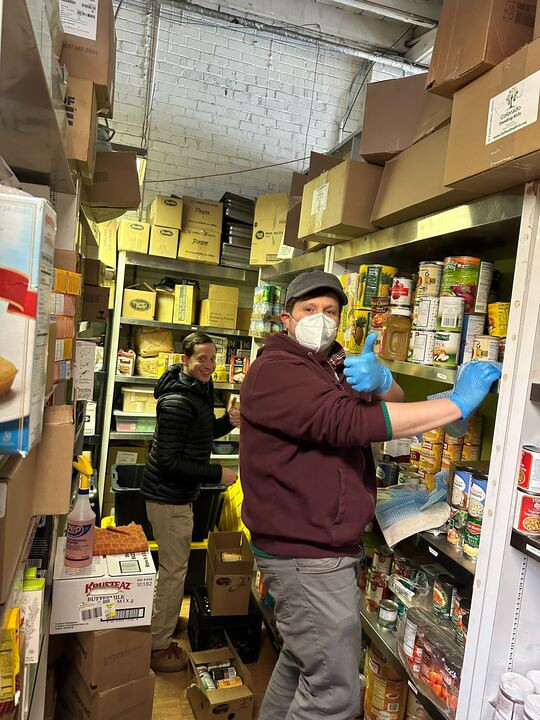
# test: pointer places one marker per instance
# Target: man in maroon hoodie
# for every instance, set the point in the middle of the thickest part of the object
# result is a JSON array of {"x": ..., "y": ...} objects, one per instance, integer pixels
[{"x": 309, "y": 484}]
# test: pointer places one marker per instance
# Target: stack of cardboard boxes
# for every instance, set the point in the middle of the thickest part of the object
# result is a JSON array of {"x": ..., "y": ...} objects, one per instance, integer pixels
[{"x": 200, "y": 239}]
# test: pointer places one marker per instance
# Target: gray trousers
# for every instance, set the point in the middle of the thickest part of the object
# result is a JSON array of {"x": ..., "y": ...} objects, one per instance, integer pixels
[{"x": 317, "y": 608}]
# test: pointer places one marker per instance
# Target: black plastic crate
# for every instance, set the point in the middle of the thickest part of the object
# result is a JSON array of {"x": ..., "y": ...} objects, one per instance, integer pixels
[
  {"x": 206, "y": 632},
  {"x": 129, "y": 504}
]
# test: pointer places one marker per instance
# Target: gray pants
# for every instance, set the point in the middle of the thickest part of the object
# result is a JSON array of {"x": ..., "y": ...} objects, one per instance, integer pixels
[
  {"x": 318, "y": 615},
  {"x": 173, "y": 527}
]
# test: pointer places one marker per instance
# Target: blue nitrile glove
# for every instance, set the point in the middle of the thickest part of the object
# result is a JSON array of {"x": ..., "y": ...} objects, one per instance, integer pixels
[
  {"x": 473, "y": 385},
  {"x": 365, "y": 373}
]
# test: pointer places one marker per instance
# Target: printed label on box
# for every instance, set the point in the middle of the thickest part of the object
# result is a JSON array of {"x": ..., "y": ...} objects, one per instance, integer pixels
[
  {"x": 320, "y": 199},
  {"x": 126, "y": 458},
  {"x": 79, "y": 17},
  {"x": 514, "y": 108}
]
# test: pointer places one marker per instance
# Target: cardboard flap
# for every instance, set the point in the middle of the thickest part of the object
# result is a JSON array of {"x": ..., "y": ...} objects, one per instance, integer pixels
[{"x": 141, "y": 286}]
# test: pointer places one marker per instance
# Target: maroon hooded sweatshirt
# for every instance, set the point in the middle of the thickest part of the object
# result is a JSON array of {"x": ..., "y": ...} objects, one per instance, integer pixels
[{"x": 306, "y": 466}]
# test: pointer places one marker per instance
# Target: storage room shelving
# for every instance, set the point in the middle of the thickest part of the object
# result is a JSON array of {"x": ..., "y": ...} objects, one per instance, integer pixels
[{"x": 506, "y": 577}]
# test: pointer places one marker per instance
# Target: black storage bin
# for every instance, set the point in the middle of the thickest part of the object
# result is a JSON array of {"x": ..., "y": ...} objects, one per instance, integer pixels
[
  {"x": 206, "y": 632},
  {"x": 129, "y": 504}
]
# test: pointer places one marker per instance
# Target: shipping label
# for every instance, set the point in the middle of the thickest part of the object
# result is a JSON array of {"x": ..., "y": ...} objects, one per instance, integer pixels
[
  {"x": 79, "y": 17},
  {"x": 320, "y": 199},
  {"x": 514, "y": 108}
]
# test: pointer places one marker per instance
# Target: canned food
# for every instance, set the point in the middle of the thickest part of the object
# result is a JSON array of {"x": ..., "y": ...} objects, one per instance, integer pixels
[
  {"x": 461, "y": 486},
  {"x": 527, "y": 517},
  {"x": 470, "y": 453},
  {"x": 498, "y": 318},
  {"x": 457, "y": 527},
  {"x": 403, "y": 567},
  {"x": 425, "y": 312},
  {"x": 529, "y": 469},
  {"x": 429, "y": 278},
  {"x": 502, "y": 349},
  {"x": 427, "y": 478},
  {"x": 416, "y": 448},
  {"x": 206, "y": 679},
  {"x": 388, "y": 612},
  {"x": 379, "y": 312},
  {"x": 222, "y": 673},
  {"x": 435, "y": 436},
  {"x": 451, "y": 453},
  {"x": 450, "y": 315},
  {"x": 402, "y": 288},
  {"x": 457, "y": 595},
  {"x": 382, "y": 559},
  {"x": 429, "y": 465},
  {"x": 473, "y": 436},
  {"x": 431, "y": 450},
  {"x": 409, "y": 477},
  {"x": 446, "y": 349},
  {"x": 460, "y": 279},
  {"x": 510, "y": 702},
  {"x": 472, "y": 537},
  {"x": 421, "y": 347},
  {"x": 376, "y": 589},
  {"x": 387, "y": 473},
  {"x": 413, "y": 638},
  {"x": 375, "y": 281},
  {"x": 473, "y": 325},
  {"x": 477, "y": 496},
  {"x": 463, "y": 620},
  {"x": 485, "y": 280},
  {"x": 357, "y": 328},
  {"x": 453, "y": 440},
  {"x": 485, "y": 347},
  {"x": 443, "y": 589}
]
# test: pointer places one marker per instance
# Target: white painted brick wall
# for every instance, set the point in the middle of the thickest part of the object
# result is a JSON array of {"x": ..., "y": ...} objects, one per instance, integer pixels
[{"x": 226, "y": 98}]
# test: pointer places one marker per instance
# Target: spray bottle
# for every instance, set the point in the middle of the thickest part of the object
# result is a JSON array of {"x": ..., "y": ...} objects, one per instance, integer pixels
[{"x": 81, "y": 521}]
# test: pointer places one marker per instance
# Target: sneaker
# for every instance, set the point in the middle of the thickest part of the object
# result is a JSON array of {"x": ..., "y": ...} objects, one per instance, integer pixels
[
  {"x": 181, "y": 626},
  {"x": 172, "y": 659}
]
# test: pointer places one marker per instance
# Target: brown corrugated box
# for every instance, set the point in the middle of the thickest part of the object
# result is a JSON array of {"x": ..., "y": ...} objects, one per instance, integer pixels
[
  {"x": 474, "y": 36},
  {"x": 95, "y": 59},
  {"x": 398, "y": 113},
  {"x": 228, "y": 583},
  {"x": 115, "y": 188},
  {"x": 412, "y": 184},
  {"x": 536, "y": 33},
  {"x": 495, "y": 132},
  {"x": 268, "y": 228},
  {"x": 54, "y": 461},
  {"x": 81, "y": 128},
  {"x": 319, "y": 163},
  {"x": 338, "y": 204}
]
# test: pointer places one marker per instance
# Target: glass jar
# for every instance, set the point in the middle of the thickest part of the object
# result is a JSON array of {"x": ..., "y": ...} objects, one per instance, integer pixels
[{"x": 396, "y": 334}]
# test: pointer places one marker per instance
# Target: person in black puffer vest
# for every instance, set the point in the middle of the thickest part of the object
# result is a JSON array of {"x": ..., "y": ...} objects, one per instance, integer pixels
[{"x": 178, "y": 462}]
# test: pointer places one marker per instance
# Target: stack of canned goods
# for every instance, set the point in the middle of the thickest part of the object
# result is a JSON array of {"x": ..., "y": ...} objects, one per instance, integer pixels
[
  {"x": 267, "y": 307},
  {"x": 468, "y": 498},
  {"x": 376, "y": 586},
  {"x": 527, "y": 515},
  {"x": 218, "y": 675}
]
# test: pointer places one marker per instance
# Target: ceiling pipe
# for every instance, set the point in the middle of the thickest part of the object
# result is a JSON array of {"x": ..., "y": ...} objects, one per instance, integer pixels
[
  {"x": 388, "y": 12},
  {"x": 360, "y": 50}
]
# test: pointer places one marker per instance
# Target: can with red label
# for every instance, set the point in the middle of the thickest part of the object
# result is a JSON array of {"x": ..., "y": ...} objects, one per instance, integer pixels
[
  {"x": 529, "y": 469},
  {"x": 527, "y": 517},
  {"x": 402, "y": 288}
]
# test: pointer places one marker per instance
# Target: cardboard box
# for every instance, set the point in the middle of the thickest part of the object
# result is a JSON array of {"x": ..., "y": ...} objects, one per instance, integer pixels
[
  {"x": 338, "y": 204},
  {"x": 139, "y": 302},
  {"x": 115, "y": 591},
  {"x": 166, "y": 212},
  {"x": 27, "y": 232},
  {"x": 292, "y": 224},
  {"x": 268, "y": 228},
  {"x": 62, "y": 304},
  {"x": 205, "y": 214},
  {"x": 63, "y": 349},
  {"x": 163, "y": 241},
  {"x": 107, "y": 658},
  {"x": 495, "y": 132},
  {"x": 298, "y": 181},
  {"x": 398, "y": 113},
  {"x": 54, "y": 460},
  {"x": 93, "y": 271},
  {"x": 319, "y": 163},
  {"x": 536, "y": 33},
  {"x": 49, "y": 381},
  {"x": 234, "y": 703},
  {"x": 64, "y": 327},
  {"x": 115, "y": 188},
  {"x": 218, "y": 314},
  {"x": 199, "y": 245},
  {"x": 164, "y": 305},
  {"x": 95, "y": 307},
  {"x": 89, "y": 50},
  {"x": 127, "y": 454},
  {"x": 133, "y": 236},
  {"x": 185, "y": 303},
  {"x": 132, "y": 700},
  {"x": 69, "y": 283},
  {"x": 243, "y": 318},
  {"x": 18, "y": 478},
  {"x": 66, "y": 260},
  {"x": 226, "y": 293},
  {"x": 228, "y": 583},
  {"x": 413, "y": 183},
  {"x": 473, "y": 37},
  {"x": 107, "y": 243},
  {"x": 81, "y": 132}
]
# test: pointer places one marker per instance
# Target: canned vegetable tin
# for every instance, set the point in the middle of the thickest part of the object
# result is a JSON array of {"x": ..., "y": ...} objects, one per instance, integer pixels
[
  {"x": 450, "y": 315},
  {"x": 425, "y": 312},
  {"x": 473, "y": 325},
  {"x": 374, "y": 281},
  {"x": 529, "y": 469},
  {"x": 388, "y": 612},
  {"x": 498, "y": 318},
  {"x": 443, "y": 590},
  {"x": 470, "y": 453},
  {"x": 446, "y": 349},
  {"x": 379, "y": 312},
  {"x": 486, "y": 347},
  {"x": 382, "y": 559},
  {"x": 477, "y": 496},
  {"x": 485, "y": 279},
  {"x": 527, "y": 517},
  {"x": 402, "y": 288},
  {"x": 461, "y": 487},
  {"x": 422, "y": 345},
  {"x": 429, "y": 278},
  {"x": 460, "y": 279},
  {"x": 472, "y": 537}
]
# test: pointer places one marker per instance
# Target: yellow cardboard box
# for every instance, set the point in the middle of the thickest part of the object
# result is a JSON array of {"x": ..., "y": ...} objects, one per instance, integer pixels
[
  {"x": 227, "y": 293},
  {"x": 200, "y": 245},
  {"x": 166, "y": 211},
  {"x": 268, "y": 228},
  {"x": 164, "y": 305},
  {"x": 205, "y": 214},
  {"x": 163, "y": 241},
  {"x": 185, "y": 303},
  {"x": 133, "y": 236},
  {"x": 106, "y": 239},
  {"x": 218, "y": 313},
  {"x": 139, "y": 302}
]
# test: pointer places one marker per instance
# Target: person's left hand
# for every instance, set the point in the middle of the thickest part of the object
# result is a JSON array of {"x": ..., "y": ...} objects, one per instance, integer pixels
[
  {"x": 365, "y": 373},
  {"x": 234, "y": 414}
]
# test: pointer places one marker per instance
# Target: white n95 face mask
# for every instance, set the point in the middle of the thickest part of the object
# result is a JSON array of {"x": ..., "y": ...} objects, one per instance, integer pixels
[{"x": 316, "y": 332}]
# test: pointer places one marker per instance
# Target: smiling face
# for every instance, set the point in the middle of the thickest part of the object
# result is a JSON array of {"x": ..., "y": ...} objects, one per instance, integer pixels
[
  {"x": 202, "y": 362},
  {"x": 327, "y": 304}
]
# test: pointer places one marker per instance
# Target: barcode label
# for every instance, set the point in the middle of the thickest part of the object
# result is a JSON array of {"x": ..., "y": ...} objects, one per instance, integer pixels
[
  {"x": 130, "y": 566},
  {"x": 129, "y": 614},
  {"x": 393, "y": 707},
  {"x": 448, "y": 320},
  {"x": 91, "y": 613}
]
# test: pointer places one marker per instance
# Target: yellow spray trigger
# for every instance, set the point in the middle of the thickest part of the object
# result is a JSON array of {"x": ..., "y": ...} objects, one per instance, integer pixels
[{"x": 84, "y": 466}]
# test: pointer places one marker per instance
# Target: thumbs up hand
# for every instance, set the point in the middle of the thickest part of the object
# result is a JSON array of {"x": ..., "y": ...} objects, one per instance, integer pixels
[{"x": 365, "y": 373}]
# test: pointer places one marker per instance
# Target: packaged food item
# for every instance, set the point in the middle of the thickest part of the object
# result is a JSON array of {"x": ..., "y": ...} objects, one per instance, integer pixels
[
  {"x": 498, "y": 314},
  {"x": 529, "y": 469},
  {"x": 231, "y": 557},
  {"x": 470, "y": 453},
  {"x": 388, "y": 612},
  {"x": 473, "y": 325},
  {"x": 477, "y": 495},
  {"x": 386, "y": 691},
  {"x": 431, "y": 450},
  {"x": 382, "y": 559},
  {"x": 379, "y": 312},
  {"x": 485, "y": 282},
  {"x": 376, "y": 590},
  {"x": 461, "y": 485},
  {"x": 531, "y": 710},
  {"x": 434, "y": 436},
  {"x": 457, "y": 527},
  {"x": 472, "y": 537},
  {"x": 446, "y": 349},
  {"x": 450, "y": 315},
  {"x": 473, "y": 436},
  {"x": 427, "y": 478},
  {"x": 502, "y": 349},
  {"x": 374, "y": 281},
  {"x": 451, "y": 453},
  {"x": 527, "y": 515},
  {"x": 229, "y": 683},
  {"x": 357, "y": 329},
  {"x": 485, "y": 347},
  {"x": 421, "y": 347},
  {"x": 206, "y": 679},
  {"x": 416, "y": 449},
  {"x": 460, "y": 279},
  {"x": 403, "y": 567},
  {"x": 443, "y": 590},
  {"x": 429, "y": 278},
  {"x": 402, "y": 288},
  {"x": 396, "y": 335},
  {"x": 459, "y": 593},
  {"x": 425, "y": 312},
  {"x": 513, "y": 689},
  {"x": 451, "y": 679},
  {"x": 223, "y": 673},
  {"x": 413, "y": 640},
  {"x": 125, "y": 363},
  {"x": 463, "y": 619},
  {"x": 387, "y": 473}
]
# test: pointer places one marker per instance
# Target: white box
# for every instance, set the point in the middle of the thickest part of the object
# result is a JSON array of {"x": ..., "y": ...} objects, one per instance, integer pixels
[
  {"x": 27, "y": 235},
  {"x": 90, "y": 419},
  {"x": 116, "y": 591}
]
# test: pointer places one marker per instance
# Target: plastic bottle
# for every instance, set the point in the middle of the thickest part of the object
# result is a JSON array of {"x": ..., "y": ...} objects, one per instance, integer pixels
[{"x": 81, "y": 522}]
